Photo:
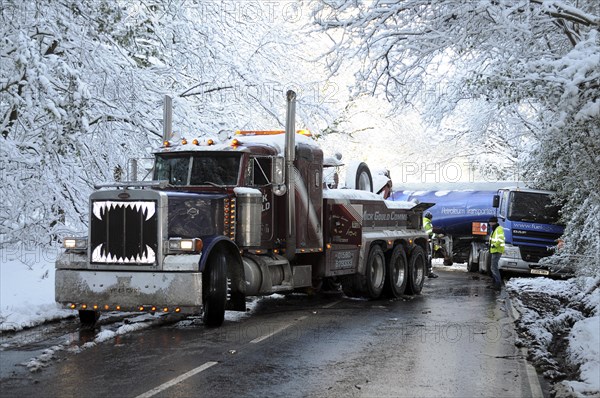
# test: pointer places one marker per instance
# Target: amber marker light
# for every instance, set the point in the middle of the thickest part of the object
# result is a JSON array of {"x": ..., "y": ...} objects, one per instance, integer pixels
[
  {"x": 235, "y": 142},
  {"x": 118, "y": 307},
  {"x": 106, "y": 307},
  {"x": 328, "y": 246},
  {"x": 177, "y": 309},
  {"x": 84, "y": 306},
  {"x": 166, "y": 144},
  {"x": 153, "y": 308},
  {"x": 165, "y": 309},
  {"x": 72, "y": 306},
  {"x": 141, "y": 308},
  {"x": 184, "y": 142},
  {"x": 195, "y": 142},
  {"x": 95, "y": 306},
  {"x": 210, "y": 142}
]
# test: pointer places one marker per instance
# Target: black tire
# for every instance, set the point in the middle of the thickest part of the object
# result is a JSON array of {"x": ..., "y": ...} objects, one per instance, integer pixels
[
  {"x": 448, "y": 261},
  {"x": 374, "y": 278},
  {"x": 397, "y": 273},
  {"x": 472, "y": 266},
  {"x": 214, "y": 290},
  {"x": 417, "y": 271},
  {"x": 363, "y": 179},
  {"x": 485, "y": 262},
  {"x": 88, "y": 317}
]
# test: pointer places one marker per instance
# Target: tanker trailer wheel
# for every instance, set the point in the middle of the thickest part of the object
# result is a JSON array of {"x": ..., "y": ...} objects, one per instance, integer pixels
[
  {"x": 472, "y": 260},
  {"x": 485, "y": 262},
  {"x": 417, "y": 264},
  {"x": 214, "y": 290},
  {"x": 88, "y": 317},
  {"x": 397, "y": 273},
  {"x": 374, "y": 278}
]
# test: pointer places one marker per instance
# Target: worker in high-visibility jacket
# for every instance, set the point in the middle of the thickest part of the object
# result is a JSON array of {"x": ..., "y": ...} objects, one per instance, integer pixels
[
  {"x": 497, "y": 244},
  {"x": 428, "y": 227}
]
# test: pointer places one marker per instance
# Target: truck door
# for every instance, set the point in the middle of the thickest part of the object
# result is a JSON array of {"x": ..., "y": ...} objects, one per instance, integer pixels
[
  {"x": 260, "y": 178},
  {"x": 502, "y": 210}
]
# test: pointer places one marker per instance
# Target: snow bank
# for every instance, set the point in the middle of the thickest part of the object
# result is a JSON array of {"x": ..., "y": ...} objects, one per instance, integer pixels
[
  {"x": 584, "y": 350},
  {"x": 548, "y": 305},
  {"x": 27, "y": 289}
]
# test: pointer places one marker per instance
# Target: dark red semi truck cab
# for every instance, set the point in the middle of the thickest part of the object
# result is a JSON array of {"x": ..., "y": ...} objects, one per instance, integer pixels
[{"x": 247, "y": 217}]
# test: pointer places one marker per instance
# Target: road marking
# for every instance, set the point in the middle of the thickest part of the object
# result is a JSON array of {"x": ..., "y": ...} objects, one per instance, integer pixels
[
  {"x": 332, "y": 304},
  {"x": 176, "y": 380},
  {"x": 274, "y": 332}
]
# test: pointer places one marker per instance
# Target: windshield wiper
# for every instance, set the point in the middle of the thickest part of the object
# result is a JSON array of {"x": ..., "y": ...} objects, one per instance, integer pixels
[
  {"x": 214, "y": 184},
  {"x": 527, "y": 220}
]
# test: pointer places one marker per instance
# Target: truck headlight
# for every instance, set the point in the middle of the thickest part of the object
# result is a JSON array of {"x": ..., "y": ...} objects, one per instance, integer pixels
[
  {"x": 178, "y": 245},
  {"x": 512, "y": 251},
  {"x": 75, "y": 244}
]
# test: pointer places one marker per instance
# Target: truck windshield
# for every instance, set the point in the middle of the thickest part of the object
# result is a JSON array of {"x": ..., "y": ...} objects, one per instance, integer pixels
[
  {"x": 205, "y": 168},
  {"x": 532, "y": 207}
]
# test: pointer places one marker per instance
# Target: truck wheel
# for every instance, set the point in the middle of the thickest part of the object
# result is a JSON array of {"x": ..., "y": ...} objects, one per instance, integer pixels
[
  {"x": 364, "y": 180},
  {"x": 485, "y": 261},
  {"x": 88, "y": 317},
  {"x": 375, "y": 272},
  {"x": 215, "y": 290},
  {"x": 472, "y": 261},
  {"x": 397, "y": 273},
  {"x": 416, "y": 271}
]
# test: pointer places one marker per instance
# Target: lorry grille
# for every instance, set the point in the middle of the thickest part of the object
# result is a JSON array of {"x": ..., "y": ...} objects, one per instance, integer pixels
[
  {"x": 534, "y": 253},
  {"x": 123, "y": 232}
]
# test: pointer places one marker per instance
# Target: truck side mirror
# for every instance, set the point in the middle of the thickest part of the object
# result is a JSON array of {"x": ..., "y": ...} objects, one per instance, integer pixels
[
  {"x": 496, "y": 202},
  {"x": 250, "y": 172},
  {"x": 278, "y": 173}
]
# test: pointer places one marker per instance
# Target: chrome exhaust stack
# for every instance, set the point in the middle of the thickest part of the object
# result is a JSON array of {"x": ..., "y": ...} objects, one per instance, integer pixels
[
  {"x": 290, "y": 157},
  {"x": 167, "y": 118}
]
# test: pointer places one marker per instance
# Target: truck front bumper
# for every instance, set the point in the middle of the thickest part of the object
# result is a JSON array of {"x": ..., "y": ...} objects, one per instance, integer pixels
[
  {"x": 129, "y": 290},
  {"x": 520, "y": 266}
]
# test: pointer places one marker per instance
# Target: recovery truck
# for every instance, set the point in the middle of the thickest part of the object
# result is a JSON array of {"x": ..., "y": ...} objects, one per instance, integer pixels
[
  {"x": 528, "y": 216},
  {"x": 223, "y": 221}
]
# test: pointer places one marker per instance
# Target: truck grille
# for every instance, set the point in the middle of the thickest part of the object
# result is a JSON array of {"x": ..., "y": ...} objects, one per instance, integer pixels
[
  {"x": 533, "y": 254},
  {"x": 123, "y": 232}
]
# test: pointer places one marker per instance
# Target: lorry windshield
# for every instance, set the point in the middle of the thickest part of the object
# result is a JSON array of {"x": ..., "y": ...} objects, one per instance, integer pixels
[
  {"x": 532, "y": 207},
  {"x": 203, "y": 168}
]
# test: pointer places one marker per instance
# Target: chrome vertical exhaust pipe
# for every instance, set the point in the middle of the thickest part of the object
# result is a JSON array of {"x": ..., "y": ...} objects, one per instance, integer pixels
[
  {"x": 290, "y": 157},
  {"x": 167, "y": 118}
]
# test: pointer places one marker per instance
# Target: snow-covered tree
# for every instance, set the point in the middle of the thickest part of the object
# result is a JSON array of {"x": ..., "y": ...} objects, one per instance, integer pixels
[
  {"x": 82, "y": 83},
  {"x": 526, "y": 71}
]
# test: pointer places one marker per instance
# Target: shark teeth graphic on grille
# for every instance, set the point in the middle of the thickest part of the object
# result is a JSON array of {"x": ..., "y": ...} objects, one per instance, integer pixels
[
  {"x": 124, "y": 232},
  {"x": 99, "y": 257},
  {"x": 147, "y": 208}
]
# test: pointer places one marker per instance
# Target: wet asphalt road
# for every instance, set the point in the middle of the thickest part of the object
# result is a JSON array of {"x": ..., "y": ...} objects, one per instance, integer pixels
[{"x": 456, "y": 339}]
